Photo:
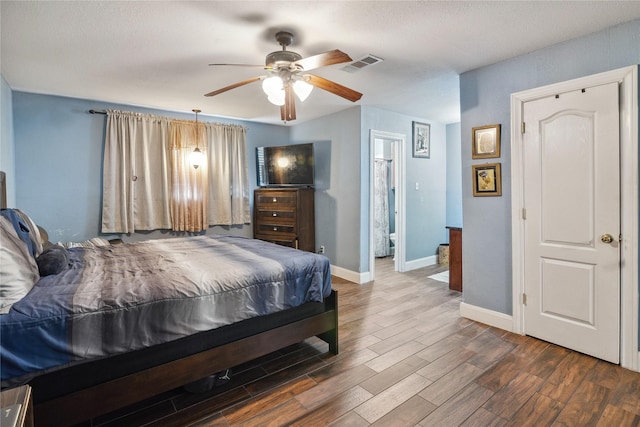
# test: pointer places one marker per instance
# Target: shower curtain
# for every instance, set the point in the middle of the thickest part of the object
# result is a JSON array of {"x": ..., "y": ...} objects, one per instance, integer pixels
[{"x": 381, "y": 208}]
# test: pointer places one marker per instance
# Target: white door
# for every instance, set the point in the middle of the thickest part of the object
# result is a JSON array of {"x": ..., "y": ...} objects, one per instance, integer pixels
[{"x": 572, "y": 220}]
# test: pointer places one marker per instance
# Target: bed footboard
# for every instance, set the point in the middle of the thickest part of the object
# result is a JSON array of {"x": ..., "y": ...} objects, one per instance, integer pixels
[
  {"x": 111, "y": 395},
  {"x": 331, "y": 335}
]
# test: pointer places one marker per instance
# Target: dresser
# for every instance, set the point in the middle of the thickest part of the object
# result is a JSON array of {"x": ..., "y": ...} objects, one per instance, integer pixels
[{"x": 285, "y": 216}]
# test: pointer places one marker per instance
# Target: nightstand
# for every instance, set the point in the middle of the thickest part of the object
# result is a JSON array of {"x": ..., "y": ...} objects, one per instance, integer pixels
[{"x": 16, "y": 404}]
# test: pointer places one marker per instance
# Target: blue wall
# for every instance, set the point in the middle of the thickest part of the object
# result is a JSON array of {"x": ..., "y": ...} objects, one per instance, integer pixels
[
  {"x": 425, "y": 207},
  {"x": 58, "y": 173},
  {"x": 58, "y": 169},
  {"x": 485, "y": 99},
  {"x": 337, "y": 150},
  {"x": 7, "y": 157},
  {"x": 454, "y": 175},
  {"x": 58, "y": 162},
  {"x": 342, "y": 184}
]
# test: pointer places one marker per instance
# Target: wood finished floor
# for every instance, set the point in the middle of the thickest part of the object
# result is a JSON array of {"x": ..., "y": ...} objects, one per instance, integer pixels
[{"x": 407, "y": 358}]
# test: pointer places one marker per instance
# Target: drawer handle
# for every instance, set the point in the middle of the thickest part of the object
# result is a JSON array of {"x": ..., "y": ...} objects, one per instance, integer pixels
[
  {"x": 275, "y": 200},
  {"x": 275, "y": 228},
  {"x": 275, "y": 214}
]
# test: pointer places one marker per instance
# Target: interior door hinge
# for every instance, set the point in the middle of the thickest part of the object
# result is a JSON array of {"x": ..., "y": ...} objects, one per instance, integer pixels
[
  {"x": 523, "y": 127},
  {"x": 524, "y": 299},
  {"x": 524, "y": 213}
]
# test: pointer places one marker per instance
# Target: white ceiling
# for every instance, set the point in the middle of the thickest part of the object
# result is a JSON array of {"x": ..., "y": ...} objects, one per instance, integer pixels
[{"x": 156, "y": 54}]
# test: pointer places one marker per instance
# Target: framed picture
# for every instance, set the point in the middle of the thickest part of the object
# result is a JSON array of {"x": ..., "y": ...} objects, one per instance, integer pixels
[
  {"x": 487, "y": 180},
  {"x": 421, "y": 140},
  {"x": 486, "y": 142}
]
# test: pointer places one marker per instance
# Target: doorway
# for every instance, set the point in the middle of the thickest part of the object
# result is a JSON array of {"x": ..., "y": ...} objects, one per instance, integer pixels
[
  {"x": 552, "y": 281},
  {"x": 386, "y": 199}
]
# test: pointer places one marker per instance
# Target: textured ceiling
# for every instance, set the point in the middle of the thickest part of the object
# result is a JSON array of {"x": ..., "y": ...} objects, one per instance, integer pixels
[{"x": 156, "y": 54}]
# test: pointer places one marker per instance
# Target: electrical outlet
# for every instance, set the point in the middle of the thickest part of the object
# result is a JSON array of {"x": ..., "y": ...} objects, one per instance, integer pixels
[{"x": 321, "y": 251}]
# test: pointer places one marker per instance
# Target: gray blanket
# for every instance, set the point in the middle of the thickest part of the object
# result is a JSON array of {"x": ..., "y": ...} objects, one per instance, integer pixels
[{"x": 120, "y": 298}]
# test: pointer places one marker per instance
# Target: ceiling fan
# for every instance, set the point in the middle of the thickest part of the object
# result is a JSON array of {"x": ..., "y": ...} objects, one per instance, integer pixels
[{"x": 287, "y": 76}]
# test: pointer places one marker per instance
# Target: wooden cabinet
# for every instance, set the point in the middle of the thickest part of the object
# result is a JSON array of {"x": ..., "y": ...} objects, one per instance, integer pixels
[
  {"x": 285, "y": 216},
  {"x": 455, "y": 258},
  {"x": 17, "y": 407}
]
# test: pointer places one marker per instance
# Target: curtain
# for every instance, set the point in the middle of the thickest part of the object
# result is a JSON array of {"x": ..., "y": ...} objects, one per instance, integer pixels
[
  {"x": 189, "y": 184},
  {"x": 135, "y": 176},
  {"x": 149, "y": 182},
  {"x": 381, "y": 208},
  {"x": 228, "y": 175}
]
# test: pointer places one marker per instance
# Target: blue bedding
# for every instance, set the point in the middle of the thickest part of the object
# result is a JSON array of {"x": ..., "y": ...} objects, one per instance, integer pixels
[{"x": 120, "y": 298}]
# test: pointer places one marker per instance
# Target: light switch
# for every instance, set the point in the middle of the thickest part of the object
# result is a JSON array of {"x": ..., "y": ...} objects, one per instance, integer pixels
[{"x": 417, "y": 186}]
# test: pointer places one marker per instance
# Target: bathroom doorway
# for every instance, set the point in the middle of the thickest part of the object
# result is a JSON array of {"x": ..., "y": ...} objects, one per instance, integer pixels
[{"x": 386, "y": 200}]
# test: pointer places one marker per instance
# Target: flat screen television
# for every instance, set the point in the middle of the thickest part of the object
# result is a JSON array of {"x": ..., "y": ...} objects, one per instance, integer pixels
[{"x": 286, "y": 166}]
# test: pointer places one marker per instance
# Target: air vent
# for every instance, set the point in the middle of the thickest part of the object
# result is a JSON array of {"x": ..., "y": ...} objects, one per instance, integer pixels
[{"x": 361, "y": 63}]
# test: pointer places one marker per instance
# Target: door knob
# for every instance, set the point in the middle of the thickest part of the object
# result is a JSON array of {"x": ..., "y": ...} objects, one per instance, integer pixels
[{"x": 606, "y": 238}]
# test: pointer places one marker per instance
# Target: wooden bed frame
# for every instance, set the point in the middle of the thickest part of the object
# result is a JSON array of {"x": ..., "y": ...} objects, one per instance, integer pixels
[
  {"x": 3, "y": 190},
  {"x": 258, "y": 338}
]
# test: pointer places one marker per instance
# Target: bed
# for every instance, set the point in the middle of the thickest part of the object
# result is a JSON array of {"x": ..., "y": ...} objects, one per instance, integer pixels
[{"x": 123, "y": 322}]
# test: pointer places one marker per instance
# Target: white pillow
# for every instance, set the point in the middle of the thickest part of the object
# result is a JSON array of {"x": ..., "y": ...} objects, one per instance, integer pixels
[
  {"x": 18, "y": 268},
  {"x": 91, "y": 243}
]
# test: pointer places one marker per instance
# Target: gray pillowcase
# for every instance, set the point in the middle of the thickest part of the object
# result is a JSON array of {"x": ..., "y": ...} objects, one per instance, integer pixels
[{"x": 53, "y": 260}]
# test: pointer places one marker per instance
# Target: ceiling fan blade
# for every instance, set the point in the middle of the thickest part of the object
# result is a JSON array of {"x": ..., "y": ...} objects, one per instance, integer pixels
[
  {"x": 240, "y": 65},
  {"x": 288, "y": 110},
  {"x": 233, "y": 86},
  {"x": 323, "y": 59},
  {"x": 333, "y": 87}
]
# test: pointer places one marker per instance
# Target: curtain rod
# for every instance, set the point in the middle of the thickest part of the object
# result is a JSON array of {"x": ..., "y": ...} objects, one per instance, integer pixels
[{"x": 105, "y": 113}]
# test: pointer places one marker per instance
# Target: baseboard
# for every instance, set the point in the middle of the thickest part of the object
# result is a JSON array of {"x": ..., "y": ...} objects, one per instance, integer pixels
[
  {"x": 421, "y": 262},
  {"x": 351, "y": 276},
  {"x": 361, "y": 278},
  {"x": 488, "y": 317}
]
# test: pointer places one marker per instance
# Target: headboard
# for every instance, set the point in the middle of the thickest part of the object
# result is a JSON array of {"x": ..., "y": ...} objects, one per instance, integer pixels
[{"x": 3, "y": 190}]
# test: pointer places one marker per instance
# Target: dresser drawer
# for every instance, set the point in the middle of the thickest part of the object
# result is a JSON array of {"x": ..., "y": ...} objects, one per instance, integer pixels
[
  {"x": 282, "y": 241},
  {"x": 281, "y": 215},
  {"x": 271, "y": 228},
  {"x": 273, "y": 198}
]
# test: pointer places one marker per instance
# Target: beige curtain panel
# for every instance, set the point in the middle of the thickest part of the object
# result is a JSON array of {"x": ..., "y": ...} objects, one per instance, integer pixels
[
  {"x": 228, "y": 175},
  {"x": 135, "y": 181},
  {"x": 189, "y": 185}
]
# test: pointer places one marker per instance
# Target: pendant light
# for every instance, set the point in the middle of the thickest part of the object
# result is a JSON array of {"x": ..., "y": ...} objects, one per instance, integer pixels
[{"x": 196, "y": 158}]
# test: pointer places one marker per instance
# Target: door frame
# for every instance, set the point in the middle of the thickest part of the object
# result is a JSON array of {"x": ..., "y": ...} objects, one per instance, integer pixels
[
  {"x": 399, "y": 159},
  {"x": 628, "y": 80}
]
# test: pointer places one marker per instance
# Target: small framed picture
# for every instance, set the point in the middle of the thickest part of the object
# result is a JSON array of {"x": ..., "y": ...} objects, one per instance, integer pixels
[
  {"x": 487, "y": 180},
  {"x": 421, "y": 140},
  {"x": 486, "y": 142}
]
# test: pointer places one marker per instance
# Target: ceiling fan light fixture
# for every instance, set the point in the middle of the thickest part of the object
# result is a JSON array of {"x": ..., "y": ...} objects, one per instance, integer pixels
[
  {"x": 274, "y": 89},
  {"x": 285, "y": 79},
  {"x": 302, "y": 89},
  {"x": 277, "y": 100}
]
